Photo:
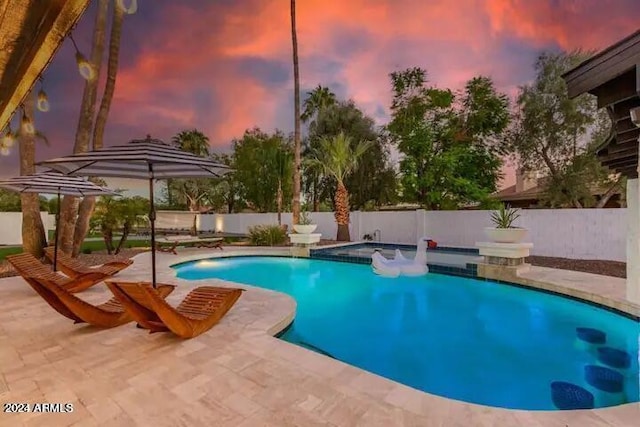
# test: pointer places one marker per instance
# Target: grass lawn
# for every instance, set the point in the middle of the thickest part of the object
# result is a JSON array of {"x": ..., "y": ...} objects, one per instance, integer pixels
[{"x": 87, "y": 247}]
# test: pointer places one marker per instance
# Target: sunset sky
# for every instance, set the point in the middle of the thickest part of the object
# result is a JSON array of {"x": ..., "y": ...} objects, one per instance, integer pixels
[{"x": 224, "y": 66}]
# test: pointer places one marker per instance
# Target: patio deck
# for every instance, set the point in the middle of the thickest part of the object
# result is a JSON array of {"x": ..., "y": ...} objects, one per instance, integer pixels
[{"x": 234, "y": 375}]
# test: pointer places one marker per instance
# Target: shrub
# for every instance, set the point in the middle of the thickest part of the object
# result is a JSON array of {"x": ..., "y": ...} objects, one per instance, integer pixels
[
  {"x": 267, "y": 235},
  {"x": 86, "y": 251},
  {"x": 504, "y": 217}
]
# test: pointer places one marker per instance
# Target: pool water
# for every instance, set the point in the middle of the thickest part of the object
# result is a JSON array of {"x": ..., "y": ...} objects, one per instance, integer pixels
[{"x": 470, "y": 340}]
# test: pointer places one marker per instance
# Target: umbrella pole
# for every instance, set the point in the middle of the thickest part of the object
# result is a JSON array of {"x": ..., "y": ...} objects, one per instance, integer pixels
[
  {"x": 152, "y": 220},
  {"x": 55, "y": 234}
]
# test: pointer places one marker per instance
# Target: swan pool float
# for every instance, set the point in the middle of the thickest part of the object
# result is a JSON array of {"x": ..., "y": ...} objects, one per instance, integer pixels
[{"x": 400, "y": 265}]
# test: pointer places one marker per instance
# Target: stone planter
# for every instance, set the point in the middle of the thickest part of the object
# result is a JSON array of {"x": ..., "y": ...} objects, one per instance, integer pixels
[
  {"x": 506, "y": 235},
  {"x": 305, "y": 229}
]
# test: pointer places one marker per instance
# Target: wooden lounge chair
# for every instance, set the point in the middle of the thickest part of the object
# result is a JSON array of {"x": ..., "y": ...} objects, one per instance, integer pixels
[
  {"x": 170, "y": 243},
  {"x": 106, "y": 315},
  {"x": 200, "y": 310},
  {"x": 73, "y": 267},
  {"x": 29, "y": 267}
]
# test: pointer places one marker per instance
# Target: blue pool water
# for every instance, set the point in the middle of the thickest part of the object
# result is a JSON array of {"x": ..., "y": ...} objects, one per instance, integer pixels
[{"x": 465, "y": 339}]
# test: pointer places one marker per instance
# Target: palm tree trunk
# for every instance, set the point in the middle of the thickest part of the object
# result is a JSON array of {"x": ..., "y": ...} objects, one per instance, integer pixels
[
  {"x": 297, "y": 161},
  {"x": 279, "y": 201},
  {"x": 342, "y": 213},
  {"x": 33, "y": 233},
  {"x": 88, "y": 204},
  {"x": 85, "y": 124},
  {"x": 316, "y": 198}
]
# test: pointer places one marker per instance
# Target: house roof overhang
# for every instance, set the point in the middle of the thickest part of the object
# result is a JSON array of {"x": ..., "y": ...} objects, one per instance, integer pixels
[
  {"x": 31, "y": 31},
  {"x": 613, "y": 76}
]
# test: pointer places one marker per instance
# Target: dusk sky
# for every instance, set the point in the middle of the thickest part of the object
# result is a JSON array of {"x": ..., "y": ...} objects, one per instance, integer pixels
[{"x": 224, "y": 66}]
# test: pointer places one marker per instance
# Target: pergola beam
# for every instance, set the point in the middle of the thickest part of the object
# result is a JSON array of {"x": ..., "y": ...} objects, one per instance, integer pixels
[{"x": 31, "y": 31}]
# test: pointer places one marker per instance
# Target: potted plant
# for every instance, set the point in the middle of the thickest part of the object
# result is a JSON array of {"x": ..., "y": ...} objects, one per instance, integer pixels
[
  {"x": 305, "y": 225},
  {"x": 504, "y": 230}
]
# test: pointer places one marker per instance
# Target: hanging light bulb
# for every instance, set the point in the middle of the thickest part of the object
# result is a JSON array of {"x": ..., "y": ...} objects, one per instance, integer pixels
[
  {"x": 84, "y": 66},
  {"x": 43, "y": 101},
  {"x": 133, "y": 6},
  {"x": 8, "y": 140},
  {"x": 27, "y": 125}
]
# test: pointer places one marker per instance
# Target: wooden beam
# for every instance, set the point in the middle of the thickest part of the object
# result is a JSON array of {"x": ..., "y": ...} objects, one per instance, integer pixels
[
  {"x": 618, "y": 155},
  {"x": 621, "y": 163},
  {"x": 621, "y": 109},
  {"x": 630, "y": 172},
  {"x": 604, "y": 66},
  {"x": 36, "y": 45},
  {"x": 619, "y": 89},
  {"x": 624, "y": 126}
]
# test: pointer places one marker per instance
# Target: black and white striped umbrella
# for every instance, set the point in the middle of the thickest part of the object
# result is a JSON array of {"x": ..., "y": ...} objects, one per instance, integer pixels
[
  {"x": 139, "y": 159},
  {"x": 55, "y": 183},
  {"x": 147, "y": 158}
]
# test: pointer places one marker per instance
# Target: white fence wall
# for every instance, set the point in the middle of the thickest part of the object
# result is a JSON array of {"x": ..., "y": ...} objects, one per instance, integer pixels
[
  {"x": 11, "y": 226},
  {"x": 567, "y": 233}
]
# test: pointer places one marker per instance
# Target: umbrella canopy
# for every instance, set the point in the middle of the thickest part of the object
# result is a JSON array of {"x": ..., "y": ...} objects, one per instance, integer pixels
[
  {"x": 55, "y": 183},
  {"x": 140, "y": 159}
]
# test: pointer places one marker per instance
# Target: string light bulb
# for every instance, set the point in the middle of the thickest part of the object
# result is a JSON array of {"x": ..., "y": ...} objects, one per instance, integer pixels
[
  {"x": 43, "y": 101},
  {"x": 84, "y": 66},
  {"x": 26, "y": 124},
  {"x": 9, "y": 139},
  {"x": 133, "y": 6}
]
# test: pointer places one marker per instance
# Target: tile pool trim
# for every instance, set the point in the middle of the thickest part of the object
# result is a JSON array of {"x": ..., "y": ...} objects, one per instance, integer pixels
[
  {"x": 470, "y": 271},
  {"x": 481, "y": 279}
]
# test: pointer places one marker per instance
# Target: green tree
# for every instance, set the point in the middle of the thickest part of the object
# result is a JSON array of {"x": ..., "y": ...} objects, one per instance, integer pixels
[
  {"x": 317, "y": 100},
  {"x": 373, "y": 181},
  {"x": 190, "y": 192},
  {"x": 447, "y": 141},
  {"x": 118, "y": 214},
  {"x": 557, "y": 136},
  {"x": 260, "y": 160},
  {"x": 225, "y": 194},
  {"x": 337, "y": 158}
]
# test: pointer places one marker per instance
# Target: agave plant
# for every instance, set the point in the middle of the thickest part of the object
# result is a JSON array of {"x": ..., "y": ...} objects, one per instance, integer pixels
[{"x": 504, "y": 217}]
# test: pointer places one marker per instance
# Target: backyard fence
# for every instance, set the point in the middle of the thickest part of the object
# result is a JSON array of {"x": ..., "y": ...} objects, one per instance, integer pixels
[{"x": 567, "y": 233}]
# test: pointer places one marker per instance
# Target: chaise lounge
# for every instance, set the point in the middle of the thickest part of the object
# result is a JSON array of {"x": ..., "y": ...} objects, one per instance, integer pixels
[
  {"x": 170, "y": 243},
  {"x": 73, "y": 267},
  {"x": 29, "y": 267},
  {"x": 198, "y": 312},
  {"x": 106, "y": 315}
]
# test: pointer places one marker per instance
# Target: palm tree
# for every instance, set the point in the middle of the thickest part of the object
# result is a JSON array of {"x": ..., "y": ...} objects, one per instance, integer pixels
[
  {"x": 337, "y": 158},
  {"x": 297, "y": 158},
  {"x": 88, "y": 204},
  {"x": 282, "y": 163},
  {"x": 192, "y": 141},
  {"x": 318, "y": 99},
  {"x": 69, "y": 207},
  {"x": 33, "y": 233}
]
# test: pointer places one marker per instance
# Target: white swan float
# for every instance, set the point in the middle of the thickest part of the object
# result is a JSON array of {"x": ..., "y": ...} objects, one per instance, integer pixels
[{"x": 401, "y": 265}]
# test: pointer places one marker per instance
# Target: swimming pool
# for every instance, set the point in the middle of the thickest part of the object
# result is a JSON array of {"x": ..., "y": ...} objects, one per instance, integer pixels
[{"x": 471, "y": 340}]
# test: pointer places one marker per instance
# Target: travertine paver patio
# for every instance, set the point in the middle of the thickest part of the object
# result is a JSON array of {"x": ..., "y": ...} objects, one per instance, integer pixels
[{"x": 235, "y": 375}]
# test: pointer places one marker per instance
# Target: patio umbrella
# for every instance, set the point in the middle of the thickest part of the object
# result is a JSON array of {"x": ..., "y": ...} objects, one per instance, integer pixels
[
  {"x": 148, "y": 159},
  {"x": 55, "y": 183}
]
